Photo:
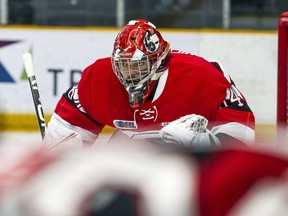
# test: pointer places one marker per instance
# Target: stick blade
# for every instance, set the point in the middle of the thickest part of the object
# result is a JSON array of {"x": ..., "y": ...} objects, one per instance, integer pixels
[{"x": 28, "y": 64}]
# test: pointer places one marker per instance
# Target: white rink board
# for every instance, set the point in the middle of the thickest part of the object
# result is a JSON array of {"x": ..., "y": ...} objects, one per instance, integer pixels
[
  {"x": 251, "y": 60},
  {"x": 33, "y": 139}
]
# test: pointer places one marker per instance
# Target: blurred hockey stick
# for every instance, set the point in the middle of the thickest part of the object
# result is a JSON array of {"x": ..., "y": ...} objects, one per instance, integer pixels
[{"x": 28, "y": 64}]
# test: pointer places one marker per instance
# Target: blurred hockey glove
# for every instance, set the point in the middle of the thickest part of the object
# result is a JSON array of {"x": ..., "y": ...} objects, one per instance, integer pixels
[{"x": 189, "y": 130}]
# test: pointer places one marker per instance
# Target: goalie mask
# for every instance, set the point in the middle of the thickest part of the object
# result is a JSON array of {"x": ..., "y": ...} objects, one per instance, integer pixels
[{"x": 139, "y": 56}]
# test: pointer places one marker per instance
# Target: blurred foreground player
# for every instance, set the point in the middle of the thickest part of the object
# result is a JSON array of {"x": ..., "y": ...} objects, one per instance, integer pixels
[
  {"x": 132, "y": 182},
  {"x": 143, "y": 87}
]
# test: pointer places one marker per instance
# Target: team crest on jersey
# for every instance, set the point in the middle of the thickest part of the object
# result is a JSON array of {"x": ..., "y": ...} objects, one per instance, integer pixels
[
  {"x": 140, "y": 116},
  {"x": 146, "y": 114}
]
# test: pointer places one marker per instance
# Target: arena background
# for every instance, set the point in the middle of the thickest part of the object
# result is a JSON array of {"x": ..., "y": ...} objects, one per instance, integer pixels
[{"x": 66, "y": 36}]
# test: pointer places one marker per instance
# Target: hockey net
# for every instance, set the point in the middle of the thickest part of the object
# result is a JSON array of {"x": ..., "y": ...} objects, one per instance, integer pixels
[{"x": 282, "y": 96}]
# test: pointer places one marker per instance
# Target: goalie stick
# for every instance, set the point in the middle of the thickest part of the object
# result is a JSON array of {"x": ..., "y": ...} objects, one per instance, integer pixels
[{"x": 28, "y": 64}]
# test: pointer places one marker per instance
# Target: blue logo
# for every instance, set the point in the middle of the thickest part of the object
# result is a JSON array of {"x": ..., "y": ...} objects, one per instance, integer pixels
[{"x": 4, "y": 74}]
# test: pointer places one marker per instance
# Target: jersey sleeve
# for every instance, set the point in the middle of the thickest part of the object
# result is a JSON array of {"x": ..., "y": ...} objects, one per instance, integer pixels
[
  {"x": 70, "y": 125},
  {"x": 234, "y": 126},
  {"x": 70, "y": 109},
  {"x": 234, "y": 121}
]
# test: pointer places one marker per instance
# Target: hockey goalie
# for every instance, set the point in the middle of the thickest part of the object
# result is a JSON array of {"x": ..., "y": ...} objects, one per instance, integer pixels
[
  {"x": 142, "y": 88},
  {"x": 131, "y": 182}
]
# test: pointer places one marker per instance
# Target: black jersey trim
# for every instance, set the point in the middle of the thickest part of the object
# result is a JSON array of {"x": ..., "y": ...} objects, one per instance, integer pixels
[{"x": 71, "y": 101}]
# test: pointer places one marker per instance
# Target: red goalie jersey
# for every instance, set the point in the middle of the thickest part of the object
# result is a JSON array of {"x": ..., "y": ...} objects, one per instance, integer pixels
[{"x": 189, "y": 85}]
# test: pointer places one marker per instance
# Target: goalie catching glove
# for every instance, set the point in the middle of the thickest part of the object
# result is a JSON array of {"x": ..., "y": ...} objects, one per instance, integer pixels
[{"x": 189, "y": 130}]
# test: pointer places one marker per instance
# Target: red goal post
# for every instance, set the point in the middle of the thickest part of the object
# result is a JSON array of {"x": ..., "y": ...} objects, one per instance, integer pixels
[{"x": 282, "y": 97}]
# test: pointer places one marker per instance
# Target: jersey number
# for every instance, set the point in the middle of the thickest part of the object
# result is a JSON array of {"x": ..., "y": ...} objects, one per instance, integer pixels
[{"x": 234, "y": 97}]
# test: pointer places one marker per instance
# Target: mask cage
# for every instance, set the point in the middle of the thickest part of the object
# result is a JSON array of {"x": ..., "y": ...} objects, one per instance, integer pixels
[{"x": 132, "y": 73}]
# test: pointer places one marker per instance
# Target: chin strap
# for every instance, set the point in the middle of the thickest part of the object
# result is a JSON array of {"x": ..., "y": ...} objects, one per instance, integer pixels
[
  {"x": 137, "y": 94},
  {"x": 135, "y": 97}
]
